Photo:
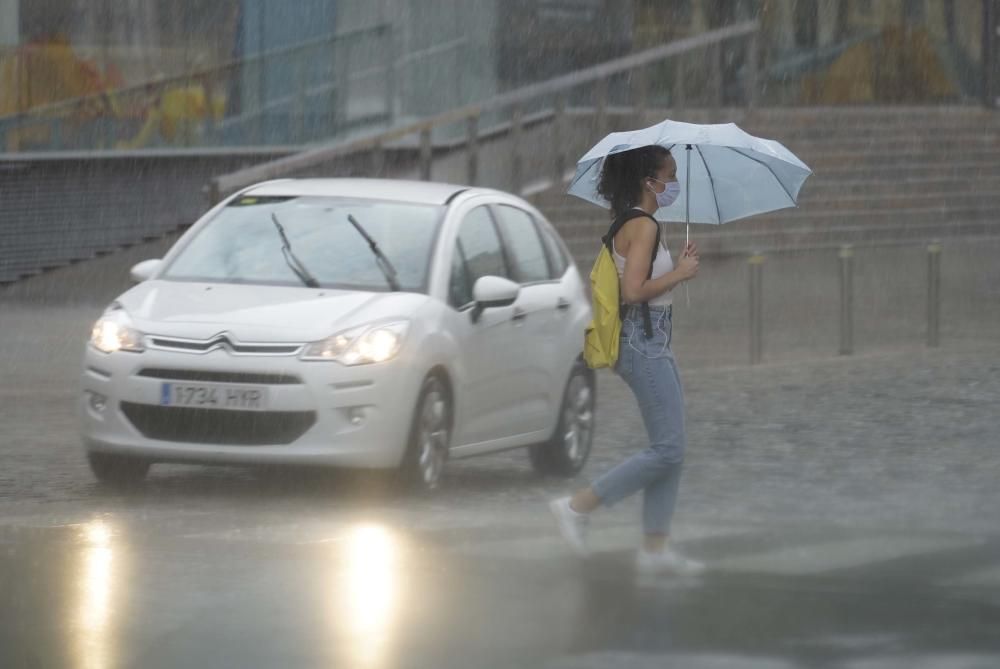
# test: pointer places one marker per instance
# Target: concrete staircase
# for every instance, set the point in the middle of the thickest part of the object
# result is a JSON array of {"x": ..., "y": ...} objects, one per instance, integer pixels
[{"x": 881, "y": 176}]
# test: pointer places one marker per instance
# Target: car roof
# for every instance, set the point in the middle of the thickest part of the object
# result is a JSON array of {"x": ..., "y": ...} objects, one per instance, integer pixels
[{"x": 399, "y": 190}]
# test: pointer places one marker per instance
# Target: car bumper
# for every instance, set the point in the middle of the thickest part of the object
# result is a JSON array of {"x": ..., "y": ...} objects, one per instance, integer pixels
[{"x": 330, "y": 415}]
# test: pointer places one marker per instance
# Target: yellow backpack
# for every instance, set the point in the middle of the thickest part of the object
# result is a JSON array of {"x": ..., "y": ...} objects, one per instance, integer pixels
[{"x": 600, "y": 341}]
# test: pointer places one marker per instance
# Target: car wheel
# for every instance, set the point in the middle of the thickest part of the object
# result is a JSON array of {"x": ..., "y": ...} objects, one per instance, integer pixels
[
  {"x": 566, "y": 452},
  {"x": 117, "y": 470},
  {"x": 430, "y": 438}
]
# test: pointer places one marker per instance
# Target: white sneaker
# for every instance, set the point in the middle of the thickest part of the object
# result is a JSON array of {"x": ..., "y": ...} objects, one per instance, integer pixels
[
  {"x": 572, "y": 524},
  {"x": 668, "y": 561}
]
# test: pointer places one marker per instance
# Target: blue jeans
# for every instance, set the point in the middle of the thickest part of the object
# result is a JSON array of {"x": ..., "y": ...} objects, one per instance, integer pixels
[{"x": 649, "y": 369}]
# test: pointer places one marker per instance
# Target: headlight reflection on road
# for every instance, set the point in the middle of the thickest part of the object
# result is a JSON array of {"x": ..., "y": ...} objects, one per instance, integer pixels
[
  {"x": 92, "y": 642},
  {"x": 368, "y": 596}
]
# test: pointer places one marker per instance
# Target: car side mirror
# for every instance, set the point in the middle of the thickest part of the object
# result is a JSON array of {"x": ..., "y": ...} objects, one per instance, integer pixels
[
  {"x": 145, "y": 270},
  {"x": 491, "y": 292}
]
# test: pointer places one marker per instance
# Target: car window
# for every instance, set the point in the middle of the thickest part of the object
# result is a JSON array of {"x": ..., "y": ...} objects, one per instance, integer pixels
[
  {"x": 480, "y": 245},
  {"x": 557, "y": 257},
  {"x": 524, "y": 246},
  {"x": 459, "y": 286},
  {"x": 244, "y": 243}
]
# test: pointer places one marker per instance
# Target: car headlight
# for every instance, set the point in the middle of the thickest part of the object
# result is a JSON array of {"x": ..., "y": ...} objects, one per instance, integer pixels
[
  {"x": 114, "y": 332},
  {"x": 360, "y": 346}
]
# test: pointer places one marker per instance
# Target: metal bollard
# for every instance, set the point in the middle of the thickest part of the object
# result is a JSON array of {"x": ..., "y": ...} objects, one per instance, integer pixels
[
  {"x": 677, "y": 90},
  {"x": 753, "y": 70},
  {"x": 426, "y": 154},
  {"x": 600, "y": 107},
  {"x": 558, "y": 150},
  {"x": 639, "y": 83},
  {"x": 472, "y": 149},
  {"x": 378, "y": 159},
  {"x": 516, "y": 150},
  {"x": 756, "y": 263},
  {"x": 846, "y": 299},
  {"x": 934, "y": 295}
]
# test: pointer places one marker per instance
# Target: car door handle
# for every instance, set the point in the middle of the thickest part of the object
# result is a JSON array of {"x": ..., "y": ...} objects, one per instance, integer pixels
[
  {"x": 563, "y": 304},
  {"x": 519, "y": 315}
]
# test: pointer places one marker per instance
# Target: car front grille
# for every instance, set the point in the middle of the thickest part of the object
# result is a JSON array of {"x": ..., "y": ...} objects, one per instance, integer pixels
[
  {"x": 212, "y": 426},
  {"x": 219, "y": 377},
  {"x": 223, "y": 342}
]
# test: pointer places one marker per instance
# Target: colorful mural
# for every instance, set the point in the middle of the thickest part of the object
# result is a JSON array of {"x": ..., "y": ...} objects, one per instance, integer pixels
[{"x": 38, "y": 75}]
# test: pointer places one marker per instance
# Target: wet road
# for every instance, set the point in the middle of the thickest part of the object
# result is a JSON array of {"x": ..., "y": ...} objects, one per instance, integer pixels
[
  {"x": 303, "y": 592},
  {"x": 847, "y": 510}
]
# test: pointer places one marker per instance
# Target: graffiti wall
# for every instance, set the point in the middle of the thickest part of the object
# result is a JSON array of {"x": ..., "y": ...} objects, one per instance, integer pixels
[{"x": 117, "y": 61}]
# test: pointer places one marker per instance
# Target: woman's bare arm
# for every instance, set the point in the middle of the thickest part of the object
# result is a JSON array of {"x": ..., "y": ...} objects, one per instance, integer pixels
[{"x": 636, "y": 288}]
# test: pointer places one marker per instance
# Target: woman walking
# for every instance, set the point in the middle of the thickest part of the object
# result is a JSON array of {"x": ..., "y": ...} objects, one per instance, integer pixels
[{"x": 637, "y": 183}]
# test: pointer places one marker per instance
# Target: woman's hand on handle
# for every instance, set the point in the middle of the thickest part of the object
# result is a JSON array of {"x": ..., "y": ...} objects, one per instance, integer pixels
[{"x": 687, "y": 264}]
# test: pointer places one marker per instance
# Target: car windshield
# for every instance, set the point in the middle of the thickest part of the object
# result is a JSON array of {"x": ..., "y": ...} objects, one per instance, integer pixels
[{"x": 242, "y": 244}]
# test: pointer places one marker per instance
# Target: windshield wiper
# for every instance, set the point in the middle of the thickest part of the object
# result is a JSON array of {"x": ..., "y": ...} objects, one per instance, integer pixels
[
  {"x": 293, "y": 262},
  {"x": 383, "y": 263}
]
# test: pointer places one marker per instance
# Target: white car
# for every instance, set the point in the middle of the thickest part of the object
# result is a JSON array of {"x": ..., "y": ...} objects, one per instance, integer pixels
[{"x": 356, "y": 323}]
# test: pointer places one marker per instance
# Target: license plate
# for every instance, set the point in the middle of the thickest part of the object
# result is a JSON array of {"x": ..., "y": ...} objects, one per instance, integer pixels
[{"x": 210, "y": 396}]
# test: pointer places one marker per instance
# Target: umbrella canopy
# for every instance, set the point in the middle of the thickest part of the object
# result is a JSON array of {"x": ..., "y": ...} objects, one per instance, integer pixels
[{"x": 725, "y": 173}]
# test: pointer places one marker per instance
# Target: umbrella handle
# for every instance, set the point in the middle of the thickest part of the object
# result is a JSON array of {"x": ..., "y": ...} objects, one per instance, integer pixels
[
  {"x": 687, "y": 213},
  {"x": 687, "y": 240}
]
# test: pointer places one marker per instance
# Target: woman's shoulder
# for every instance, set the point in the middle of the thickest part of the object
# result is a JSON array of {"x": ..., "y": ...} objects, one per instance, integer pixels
[{"x": 640, "y": 221}]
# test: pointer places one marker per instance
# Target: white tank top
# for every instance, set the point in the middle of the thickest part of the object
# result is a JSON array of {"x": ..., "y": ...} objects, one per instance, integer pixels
[{"x": 663, "y": 264}]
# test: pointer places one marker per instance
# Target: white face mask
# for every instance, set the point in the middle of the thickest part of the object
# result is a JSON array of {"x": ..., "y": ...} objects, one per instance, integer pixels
[{"x": 669, "y": 195}]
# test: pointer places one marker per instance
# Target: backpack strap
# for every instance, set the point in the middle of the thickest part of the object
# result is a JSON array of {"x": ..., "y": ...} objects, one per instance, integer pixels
[{"x": 608, "y": 240}]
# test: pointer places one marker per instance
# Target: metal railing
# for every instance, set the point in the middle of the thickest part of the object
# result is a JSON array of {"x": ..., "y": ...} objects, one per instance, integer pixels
[
  {"x": 283, "y": 96},
  {"x": 845, "y": 291},
  {"x": 624, "y": 81}
]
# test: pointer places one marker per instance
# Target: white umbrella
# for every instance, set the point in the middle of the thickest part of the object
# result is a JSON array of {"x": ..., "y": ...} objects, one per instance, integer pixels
[{"x": 727, "y": 173}]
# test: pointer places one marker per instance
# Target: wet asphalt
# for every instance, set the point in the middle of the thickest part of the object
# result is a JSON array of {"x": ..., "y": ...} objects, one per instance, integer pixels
[{"x": 846, "y": 508}]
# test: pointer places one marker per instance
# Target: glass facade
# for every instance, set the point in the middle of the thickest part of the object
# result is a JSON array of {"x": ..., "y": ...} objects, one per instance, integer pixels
[
  {"x": 169, "y": 74},
  {"x": 838, "y": 52},
  {"x": 866, "y": 52},
  {"x": 166, "y": 74}
]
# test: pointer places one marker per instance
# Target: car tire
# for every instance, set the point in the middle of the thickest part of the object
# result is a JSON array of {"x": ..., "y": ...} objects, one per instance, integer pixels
[
  {"x": 117, "y": 470},
  {"x": 430, "y": 438},
  {"x": 566, "y": 452}
]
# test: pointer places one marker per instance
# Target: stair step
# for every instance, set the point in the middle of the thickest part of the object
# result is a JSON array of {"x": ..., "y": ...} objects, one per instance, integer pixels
[
  {"x": 823, "y": 186},
  {"x": 959, "y": 148},
  {"x": 888, "y": 115},
  {"x": 908, "y": 172},
  {"x": 743, "y": 228},
  {"x": 827, "y": 127},
  {"x": 878, "y": 202},
  {"x": 726, "y": 241},
  {"x": 896, "y": 159},
  {"x": 811, "y": 201},
  {"x": 933, "y": 204}
]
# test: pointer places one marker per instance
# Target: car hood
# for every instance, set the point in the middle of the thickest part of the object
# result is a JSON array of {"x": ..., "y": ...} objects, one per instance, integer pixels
[{"x": 258, "y": 313}]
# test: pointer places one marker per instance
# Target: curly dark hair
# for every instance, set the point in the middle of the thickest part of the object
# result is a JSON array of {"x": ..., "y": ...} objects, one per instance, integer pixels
[{"x": 622, "y": 175}]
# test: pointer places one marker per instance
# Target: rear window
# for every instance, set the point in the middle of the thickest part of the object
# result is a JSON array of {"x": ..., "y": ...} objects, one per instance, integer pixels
[
  {"x": 558, "y": 261},
  {"x": 524, "y": 245}
]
